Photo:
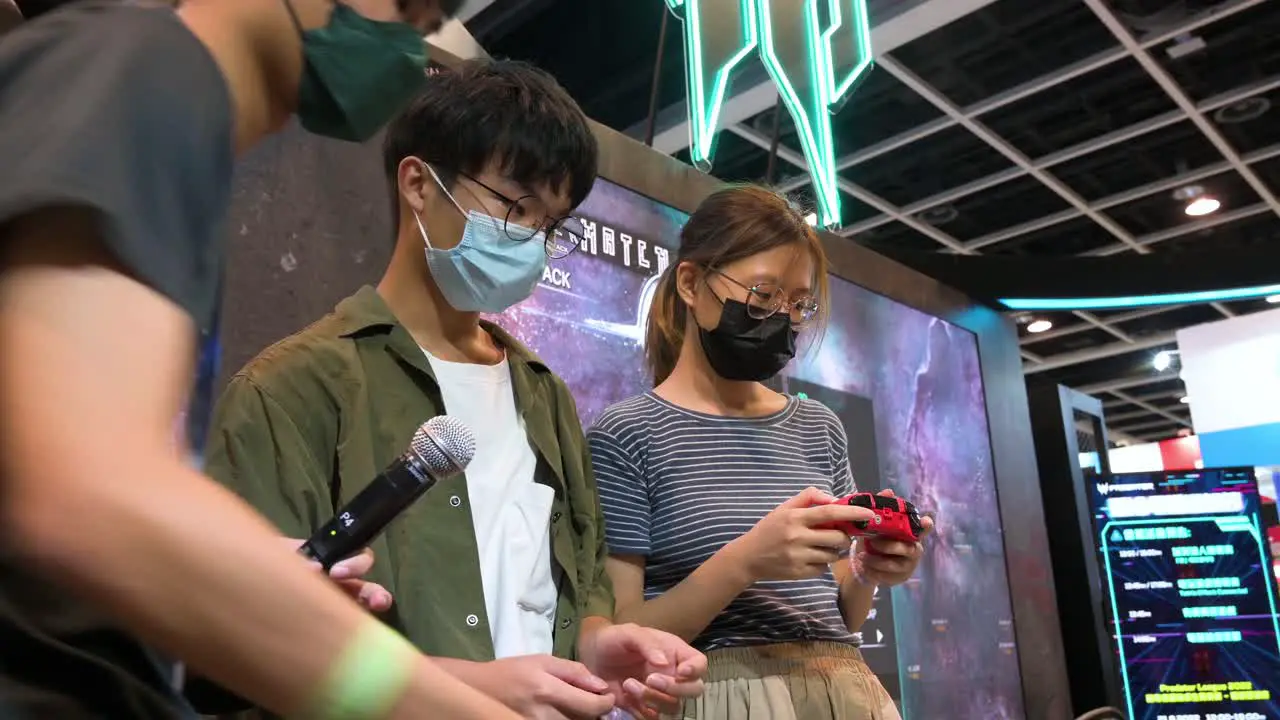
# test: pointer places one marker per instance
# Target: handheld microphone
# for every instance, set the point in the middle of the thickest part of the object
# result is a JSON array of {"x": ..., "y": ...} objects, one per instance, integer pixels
[{"x": 440, "y": 449}]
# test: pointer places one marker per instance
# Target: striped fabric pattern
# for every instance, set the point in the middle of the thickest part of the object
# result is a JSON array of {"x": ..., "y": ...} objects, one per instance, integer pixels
[{"x": 677, "y": 485}]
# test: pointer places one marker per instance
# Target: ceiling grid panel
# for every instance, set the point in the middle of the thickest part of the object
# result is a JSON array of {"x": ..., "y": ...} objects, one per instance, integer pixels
[{"x": 1026, "y": 128}]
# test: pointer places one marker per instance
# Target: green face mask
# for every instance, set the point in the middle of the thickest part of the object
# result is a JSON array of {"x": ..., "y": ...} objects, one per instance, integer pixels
[{"x": 358, "y": 73}]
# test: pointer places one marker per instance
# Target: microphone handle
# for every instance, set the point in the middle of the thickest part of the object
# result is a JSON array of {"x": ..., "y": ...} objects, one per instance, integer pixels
[{"x": 358, "y": 522}]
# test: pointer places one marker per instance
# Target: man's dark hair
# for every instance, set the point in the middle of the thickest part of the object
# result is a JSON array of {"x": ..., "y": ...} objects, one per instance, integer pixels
[{"x": 502, "y": 111}]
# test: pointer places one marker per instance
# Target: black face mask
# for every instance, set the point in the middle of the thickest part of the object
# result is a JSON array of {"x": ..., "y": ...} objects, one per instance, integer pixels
[{"x": 744, "y": 348}]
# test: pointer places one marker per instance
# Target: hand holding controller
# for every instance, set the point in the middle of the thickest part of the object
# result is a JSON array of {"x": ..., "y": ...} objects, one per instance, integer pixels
[
  {"x": 891, "y": 550},
  {"x": 798, "y": 539},
  {"x": 895, "y": 518}
]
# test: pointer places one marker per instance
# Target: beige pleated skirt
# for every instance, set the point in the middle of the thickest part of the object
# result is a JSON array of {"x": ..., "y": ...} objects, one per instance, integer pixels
[{"x": 790, "y": 681}]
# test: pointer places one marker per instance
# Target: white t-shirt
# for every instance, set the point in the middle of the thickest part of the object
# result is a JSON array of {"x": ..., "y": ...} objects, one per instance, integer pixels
[{"x": 510, "y": 511}]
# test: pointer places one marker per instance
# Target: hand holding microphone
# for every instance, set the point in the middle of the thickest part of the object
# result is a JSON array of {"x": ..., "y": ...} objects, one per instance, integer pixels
[
  {"x": 441, "y": 448},
  {"x": 535, "y": 686},
  {"x": 795, "y": 540},
  {"x": 349, "y": 575}
]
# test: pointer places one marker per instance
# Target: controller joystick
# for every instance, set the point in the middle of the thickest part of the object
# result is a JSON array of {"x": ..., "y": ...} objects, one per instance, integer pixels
[{"x": 895, "y": 518}]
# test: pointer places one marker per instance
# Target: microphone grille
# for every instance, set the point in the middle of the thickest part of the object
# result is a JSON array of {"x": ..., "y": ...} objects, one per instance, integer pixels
[{"x": 445, "y": 444}]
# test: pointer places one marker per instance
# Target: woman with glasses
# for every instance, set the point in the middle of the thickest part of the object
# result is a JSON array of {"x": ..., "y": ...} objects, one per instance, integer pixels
[{"x": 716, "y": 490}]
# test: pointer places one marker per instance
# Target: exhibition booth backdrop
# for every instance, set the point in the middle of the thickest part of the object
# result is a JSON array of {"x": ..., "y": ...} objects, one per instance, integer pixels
[{"x": 928, "y": 383}]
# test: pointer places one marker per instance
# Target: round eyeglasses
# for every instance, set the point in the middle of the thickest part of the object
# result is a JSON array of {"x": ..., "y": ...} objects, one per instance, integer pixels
[
  {"x": 564, "y": 235},
  {"x": 766, "y": 299}
]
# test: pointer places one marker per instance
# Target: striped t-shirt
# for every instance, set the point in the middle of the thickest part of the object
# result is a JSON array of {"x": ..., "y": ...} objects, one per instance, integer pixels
[{"x": 677, "y": 485}]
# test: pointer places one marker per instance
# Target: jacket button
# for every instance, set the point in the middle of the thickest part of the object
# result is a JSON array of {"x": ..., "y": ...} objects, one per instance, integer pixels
[
  {"x": 565, "y": 623},
  {"x": 472, "y": 621},
  {"x": 555, "y": 516},
  {"x": 455, "y": 501}
]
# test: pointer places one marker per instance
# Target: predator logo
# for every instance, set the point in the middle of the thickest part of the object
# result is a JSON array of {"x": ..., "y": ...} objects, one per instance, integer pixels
[{"x": 816, "y": 51}]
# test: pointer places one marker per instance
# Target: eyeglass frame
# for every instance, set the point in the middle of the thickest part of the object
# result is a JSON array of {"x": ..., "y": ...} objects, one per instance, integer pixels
[
  {"x": 548, "y": 226},
  {"x": 783, "y": 303}
]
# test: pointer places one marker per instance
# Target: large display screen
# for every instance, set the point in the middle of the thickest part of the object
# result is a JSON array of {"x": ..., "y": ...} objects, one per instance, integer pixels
[
  {"x": 1185, "y": 569},
  {"x": 908, "y": 386}
]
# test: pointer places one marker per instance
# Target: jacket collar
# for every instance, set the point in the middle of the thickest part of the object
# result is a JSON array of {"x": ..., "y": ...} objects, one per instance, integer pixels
[{"x": 366, "y": 314}]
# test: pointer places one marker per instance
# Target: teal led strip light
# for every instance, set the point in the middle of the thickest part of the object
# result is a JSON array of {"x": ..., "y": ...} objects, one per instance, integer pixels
[
  {"x": 803, "y": 58},
  {"x": 1245, "y": 523},
  {"x": 1128, "y": 301}
]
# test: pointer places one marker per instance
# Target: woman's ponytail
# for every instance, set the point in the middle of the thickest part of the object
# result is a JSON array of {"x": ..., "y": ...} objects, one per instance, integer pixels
[{"x": 665, "y": 332}]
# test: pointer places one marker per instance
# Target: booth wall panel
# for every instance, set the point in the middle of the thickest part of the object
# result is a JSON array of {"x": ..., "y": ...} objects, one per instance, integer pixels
[
  {"x": 1258, "y": 446},
  {"x": 1232, "y": 372},
  {"x": 310, "y": 223}
]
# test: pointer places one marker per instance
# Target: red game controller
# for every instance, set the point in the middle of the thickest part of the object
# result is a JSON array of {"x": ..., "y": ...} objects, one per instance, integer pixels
[{"x": 895, "y": 518}]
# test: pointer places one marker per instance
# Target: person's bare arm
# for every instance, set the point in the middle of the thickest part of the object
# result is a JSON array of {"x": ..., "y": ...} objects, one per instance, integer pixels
[
  {"x": 794, "y": 541},
  {"x": 856, "y": 595},
  {"x": 886, "y": 564},
  {"x": 686, "y": 609},
  {"x": 94, "y": 368}
]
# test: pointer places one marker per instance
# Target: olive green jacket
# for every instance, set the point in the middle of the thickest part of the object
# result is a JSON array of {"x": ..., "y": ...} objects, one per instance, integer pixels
[{"x": 312, "y": 420}]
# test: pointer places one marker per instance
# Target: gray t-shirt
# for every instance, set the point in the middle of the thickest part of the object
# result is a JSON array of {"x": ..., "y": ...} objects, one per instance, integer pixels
[
  {"x": 118, "y": 109},
  {"x": 676, "y": 486}
]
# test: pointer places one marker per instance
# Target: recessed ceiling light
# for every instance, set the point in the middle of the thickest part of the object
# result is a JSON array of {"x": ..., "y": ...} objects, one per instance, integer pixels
[
  {"x": 1202, "y": 206},
  {"x": 1039, "y": 326},
  {"x": 1185, "y": 400},
  {"x": 1242, "y": 111},
  {"x": 1274, "y": 299},
  {"x": 1199, "y": 203},
  {"x": 940, "y": 215},
  {"x": 1163, "y": 360}
]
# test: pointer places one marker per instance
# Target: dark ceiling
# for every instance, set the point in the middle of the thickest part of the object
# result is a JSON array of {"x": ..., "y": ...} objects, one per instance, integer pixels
[{"x": 1045, "y": 127}]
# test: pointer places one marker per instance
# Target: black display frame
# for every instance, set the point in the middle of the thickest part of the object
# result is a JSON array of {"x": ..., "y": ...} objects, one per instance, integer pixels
[{"x": 1094, "y": 675}]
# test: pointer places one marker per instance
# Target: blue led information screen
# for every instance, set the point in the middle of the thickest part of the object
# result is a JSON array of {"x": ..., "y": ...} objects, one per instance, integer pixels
[{"x": 1186, "y": 572}]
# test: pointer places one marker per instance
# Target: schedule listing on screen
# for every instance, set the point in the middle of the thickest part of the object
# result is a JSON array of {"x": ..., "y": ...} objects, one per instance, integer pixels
[{"x": 1192, "y": 604}]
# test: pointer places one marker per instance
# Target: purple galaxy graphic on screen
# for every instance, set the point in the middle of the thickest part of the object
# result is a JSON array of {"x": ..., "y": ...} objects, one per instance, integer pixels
[
  {"x": 955, "y": 641},
  {"x": 586, "y": 319},
  {"x": 955, "y": 655}
]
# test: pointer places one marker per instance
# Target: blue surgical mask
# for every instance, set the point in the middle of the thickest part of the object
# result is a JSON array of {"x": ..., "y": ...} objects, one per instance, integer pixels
[{"x": 486, "y": 271}]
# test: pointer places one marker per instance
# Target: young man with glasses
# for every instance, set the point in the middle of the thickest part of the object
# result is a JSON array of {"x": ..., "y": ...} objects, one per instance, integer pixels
[{"x": 508, "y": 561}]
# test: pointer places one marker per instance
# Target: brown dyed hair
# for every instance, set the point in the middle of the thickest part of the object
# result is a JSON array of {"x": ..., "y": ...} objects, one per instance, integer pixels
[{"x": 731, "y": 224}]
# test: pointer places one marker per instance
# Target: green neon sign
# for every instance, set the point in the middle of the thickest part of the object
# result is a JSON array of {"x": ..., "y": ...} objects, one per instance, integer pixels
[{"x": 815, "y": 50}]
